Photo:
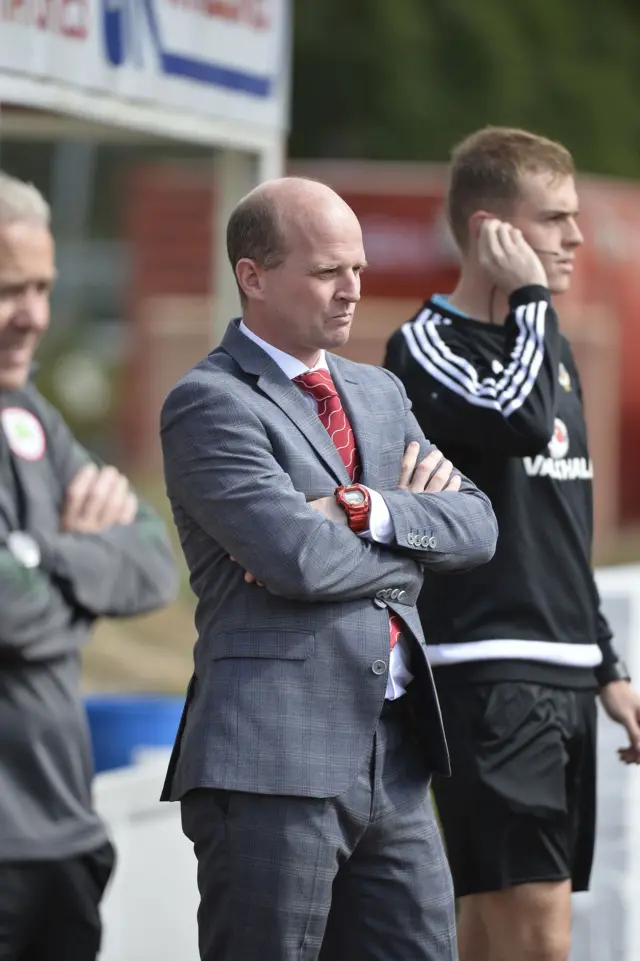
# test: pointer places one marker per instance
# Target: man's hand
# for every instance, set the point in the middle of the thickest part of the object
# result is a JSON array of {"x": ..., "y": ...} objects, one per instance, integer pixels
[
  {"x": 98, "y": 498},
  {"x": 432, "y": 475},
  {"x": 249, "y": 578},
  {"x": 622, "y": 704},
  {"x": 507, "y": 257}
]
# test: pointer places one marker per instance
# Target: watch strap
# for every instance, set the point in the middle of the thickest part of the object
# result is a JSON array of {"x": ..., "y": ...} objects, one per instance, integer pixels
[{"x": 615, "y": 671}]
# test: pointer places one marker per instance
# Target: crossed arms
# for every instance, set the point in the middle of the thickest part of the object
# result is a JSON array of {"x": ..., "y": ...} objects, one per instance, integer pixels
[
  {"x": 221, "y": 470},
  {"x": 111, "y": 557}
]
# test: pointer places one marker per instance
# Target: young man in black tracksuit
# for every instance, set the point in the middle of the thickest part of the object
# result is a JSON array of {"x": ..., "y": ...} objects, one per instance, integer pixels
[{"x": 519, "y": 646}]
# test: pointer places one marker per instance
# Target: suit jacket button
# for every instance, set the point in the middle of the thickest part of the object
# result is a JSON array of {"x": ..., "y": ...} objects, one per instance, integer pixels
[
  {"x": 378, "y": 667},
  {"x": 395, "y": 593},
  {"x": 425, "y": 541},
  {"x": 411, "y": 538},
  {"x": 432, "y": 542},
  {"x": 401, "y": 594}
]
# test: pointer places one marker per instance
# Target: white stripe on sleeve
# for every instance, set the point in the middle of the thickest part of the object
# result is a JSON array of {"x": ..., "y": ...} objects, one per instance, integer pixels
[{"x": 505, "y": 394}]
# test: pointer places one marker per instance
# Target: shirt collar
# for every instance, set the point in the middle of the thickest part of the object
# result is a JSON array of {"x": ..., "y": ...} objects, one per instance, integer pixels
[
  {"x": 442, "y": 300},
  {"x": 289, "y": 365}
]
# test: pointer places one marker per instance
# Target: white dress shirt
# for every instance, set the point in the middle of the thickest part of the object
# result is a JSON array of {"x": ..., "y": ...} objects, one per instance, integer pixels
[{"x": 380, "y": 523}]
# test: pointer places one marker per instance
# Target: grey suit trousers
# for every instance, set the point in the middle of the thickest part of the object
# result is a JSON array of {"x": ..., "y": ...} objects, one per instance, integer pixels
[{"x": 358, "y": 877}]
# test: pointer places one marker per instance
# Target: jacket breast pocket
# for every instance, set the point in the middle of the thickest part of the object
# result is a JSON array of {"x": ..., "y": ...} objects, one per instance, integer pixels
[{"x": 275, "y": 644}]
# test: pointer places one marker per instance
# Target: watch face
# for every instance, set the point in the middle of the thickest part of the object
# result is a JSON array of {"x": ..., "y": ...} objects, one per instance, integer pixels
[
  {"x": 24, "y": 549},
  {"x": 354, "y": 498}
]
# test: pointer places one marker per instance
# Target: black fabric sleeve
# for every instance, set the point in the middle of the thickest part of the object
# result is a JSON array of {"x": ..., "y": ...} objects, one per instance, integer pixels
[{"x": 458, "y": 397}]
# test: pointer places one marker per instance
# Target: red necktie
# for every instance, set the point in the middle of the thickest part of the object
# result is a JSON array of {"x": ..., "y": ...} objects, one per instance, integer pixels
[{"x": 319, "y": 384}]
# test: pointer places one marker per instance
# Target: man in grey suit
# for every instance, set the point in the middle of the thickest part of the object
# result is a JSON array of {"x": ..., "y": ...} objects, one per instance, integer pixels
[{"x": 308, "y": 502}]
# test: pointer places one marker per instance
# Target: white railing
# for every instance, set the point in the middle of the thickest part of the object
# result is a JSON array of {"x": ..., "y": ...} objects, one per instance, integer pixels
[
  {"x": 607, "y": 918},
  {"x": 150, "y": 908}
]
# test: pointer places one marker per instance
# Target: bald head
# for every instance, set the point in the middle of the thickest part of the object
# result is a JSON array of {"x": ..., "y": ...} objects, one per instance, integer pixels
[
  {"x": 266, "y": 223},
  {"x": 290, "y": 193},
  {"x": 296, "y": 250}
]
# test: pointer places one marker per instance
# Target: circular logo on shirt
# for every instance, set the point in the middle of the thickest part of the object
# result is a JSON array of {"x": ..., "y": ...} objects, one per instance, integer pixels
[
  {"x": 559, "y": 443},
  {"x": 24, "y": 433}
]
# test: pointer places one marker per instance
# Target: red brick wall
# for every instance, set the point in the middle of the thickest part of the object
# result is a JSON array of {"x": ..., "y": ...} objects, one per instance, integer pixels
[{"x": 168, "y": 223}]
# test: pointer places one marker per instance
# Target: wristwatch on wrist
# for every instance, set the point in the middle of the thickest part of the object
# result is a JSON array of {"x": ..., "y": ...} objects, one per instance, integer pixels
[
  {"x": 606, "y": 673},
  {"x": 24, "y": 549},
  {"x": 355, "y": 502}
]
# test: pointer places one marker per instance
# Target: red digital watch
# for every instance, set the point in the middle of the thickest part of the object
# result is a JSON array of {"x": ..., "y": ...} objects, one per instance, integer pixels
[{"x": 355, "y": 502}]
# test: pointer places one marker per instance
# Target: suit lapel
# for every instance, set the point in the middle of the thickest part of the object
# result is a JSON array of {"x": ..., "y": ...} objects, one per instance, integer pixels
[
  {"x": 23, "y": 473},
  {"x": 356, "y": 404},
  {"x": 8, "y": 519},
  {"x": 279, "y": 389},
  {"x": 30, "y": 472}
]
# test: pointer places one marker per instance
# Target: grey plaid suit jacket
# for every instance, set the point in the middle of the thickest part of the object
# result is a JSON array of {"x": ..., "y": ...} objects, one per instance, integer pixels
[{"x": 284, "y": 698}]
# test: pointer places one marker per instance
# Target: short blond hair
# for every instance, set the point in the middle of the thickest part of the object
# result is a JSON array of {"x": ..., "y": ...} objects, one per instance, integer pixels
[
  {"x": 20, "y": 202},
  {"x": 487, "y": 167}
]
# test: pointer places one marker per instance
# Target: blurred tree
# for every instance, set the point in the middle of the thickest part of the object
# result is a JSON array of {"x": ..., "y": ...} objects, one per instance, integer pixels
[{"x": 406, "y": 79}]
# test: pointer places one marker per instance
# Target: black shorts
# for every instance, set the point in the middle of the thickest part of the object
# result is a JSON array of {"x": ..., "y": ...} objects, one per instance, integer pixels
[{"x": 520, "y": 805}]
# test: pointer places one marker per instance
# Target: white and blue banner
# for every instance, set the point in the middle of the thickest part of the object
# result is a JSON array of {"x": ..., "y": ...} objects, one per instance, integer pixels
[{"x": 223, "y": 59}]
